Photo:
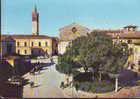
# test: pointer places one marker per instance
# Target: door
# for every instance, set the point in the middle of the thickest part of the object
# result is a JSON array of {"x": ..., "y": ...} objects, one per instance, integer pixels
[{"x": 9, "y": 49}]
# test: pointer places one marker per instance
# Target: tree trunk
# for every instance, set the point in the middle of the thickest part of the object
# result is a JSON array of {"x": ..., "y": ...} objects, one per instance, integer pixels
[
  {"x": 116, "y": 80},
  {"x": 85, "y": 69},
  {"x": 116, "y": 84}
]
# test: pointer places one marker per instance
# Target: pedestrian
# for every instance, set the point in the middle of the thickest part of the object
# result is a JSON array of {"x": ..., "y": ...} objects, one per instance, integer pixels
[
  {"x": 62, "y": 85},
  {"x": 96, "y": 96},
  {"x": 52, "y": 60},
  {"x": 67, "y": 81},
  {"x": 32, "y": 84}
]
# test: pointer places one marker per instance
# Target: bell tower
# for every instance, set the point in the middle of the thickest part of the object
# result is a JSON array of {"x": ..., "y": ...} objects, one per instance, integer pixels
[{"x": 35, "y": 21}]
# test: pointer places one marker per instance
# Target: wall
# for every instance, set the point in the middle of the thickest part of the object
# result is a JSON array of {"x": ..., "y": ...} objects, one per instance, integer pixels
[
  {"x": 4, "y": 47},
  {"x": 62, "y": 46}
]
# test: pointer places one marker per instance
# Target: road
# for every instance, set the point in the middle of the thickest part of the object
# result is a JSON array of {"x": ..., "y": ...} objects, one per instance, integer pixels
[{"x": 48, "y": 83}]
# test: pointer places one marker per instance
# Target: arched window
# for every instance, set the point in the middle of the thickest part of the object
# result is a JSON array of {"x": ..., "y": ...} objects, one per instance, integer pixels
[
  {"x": 46, "y": 43},
  {"x": 25, "y": 51},
  {"x": 18, "y": 51},
  {"x": 32, "y": 52},
  {"x": 138, "y": 62},
  {"x": 32, "y": 43},
  {"x": 17, "y": 43},
  {"x": 25, "y": 44},
  {"x": 39, "y": 44}
]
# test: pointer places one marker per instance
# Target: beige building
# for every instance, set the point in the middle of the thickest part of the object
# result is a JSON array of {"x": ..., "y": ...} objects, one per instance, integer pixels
[
  {"x": 69, "y": 33},
  {"x": 28, "y": 45},
  {"x": 34, "y": 44}
]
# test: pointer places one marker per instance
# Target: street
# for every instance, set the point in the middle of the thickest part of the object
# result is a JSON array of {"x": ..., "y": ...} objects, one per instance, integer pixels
[{"x": 47, "y": 84}]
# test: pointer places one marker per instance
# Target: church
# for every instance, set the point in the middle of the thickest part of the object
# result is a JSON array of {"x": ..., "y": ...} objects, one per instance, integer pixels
[{"x": 33, "y": 44}]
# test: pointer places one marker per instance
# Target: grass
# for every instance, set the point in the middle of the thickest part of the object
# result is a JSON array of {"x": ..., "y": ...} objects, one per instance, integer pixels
[{"x": 95, "y": 86}]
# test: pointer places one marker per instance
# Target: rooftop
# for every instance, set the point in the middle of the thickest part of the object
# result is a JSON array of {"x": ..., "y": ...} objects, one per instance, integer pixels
[
  {"x": 121, "y": 34},
  {"x": 26, "y": 37},
  {"x": 70, "y": 32},
  {"x": 131, "y": 26}
]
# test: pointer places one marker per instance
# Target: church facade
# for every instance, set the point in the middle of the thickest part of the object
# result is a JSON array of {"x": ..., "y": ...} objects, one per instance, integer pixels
[{"x": 69, "y": 33}]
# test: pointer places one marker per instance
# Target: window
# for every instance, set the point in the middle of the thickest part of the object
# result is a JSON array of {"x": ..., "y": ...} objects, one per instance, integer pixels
[
  {"x": 129, "y": 41},
  {"x": 25, "y": 51},
  {"x": 74, "y": 29},
  {"x": 25, "y": 44},
  {"x": 32, "y": 51},
  {"x": 46, "y": 43},
  {"x": 17, "y": 43},
  {"x": 18, "y": 51},
  {"x": 138, "y": 62},
  {"x": 32, "y": 43},
  {"x": 39, "y": 43}
]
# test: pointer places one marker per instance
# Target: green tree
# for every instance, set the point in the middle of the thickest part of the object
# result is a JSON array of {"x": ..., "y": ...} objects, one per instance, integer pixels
[{"x": 96, "y": 51}]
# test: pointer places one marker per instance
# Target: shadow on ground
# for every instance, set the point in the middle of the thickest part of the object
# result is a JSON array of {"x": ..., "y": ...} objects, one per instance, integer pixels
[
  {"x": 128, "y": 78},
  {"x": 8, "y": 89}
]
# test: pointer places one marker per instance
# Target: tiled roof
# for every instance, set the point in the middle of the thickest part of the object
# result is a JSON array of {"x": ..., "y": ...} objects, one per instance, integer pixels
[
  {"x": 7, "y": 38},
  {"x": 135, "y": 35},
  {"x": 26, "y": 37},
  {"x": 121, "y": 33},
  {"x": 107, "y": 31}
]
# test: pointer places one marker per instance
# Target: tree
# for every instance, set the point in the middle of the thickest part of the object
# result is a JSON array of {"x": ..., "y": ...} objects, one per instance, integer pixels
[
  {"x": 119, "y": 54},
  {"x": 96, "y": 51}
]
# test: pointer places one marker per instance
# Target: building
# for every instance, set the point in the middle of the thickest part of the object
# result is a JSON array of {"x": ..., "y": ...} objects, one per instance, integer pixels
[
  {"x": 129, "y": 35},
  {"x": 27, "y": 44},
  {"x": 34, "y": 44},
  {"x": 69, "y": 33}
]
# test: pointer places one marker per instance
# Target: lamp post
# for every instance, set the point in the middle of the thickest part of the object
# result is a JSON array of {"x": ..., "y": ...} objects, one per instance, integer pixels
[{"x": 113, "y": 75}]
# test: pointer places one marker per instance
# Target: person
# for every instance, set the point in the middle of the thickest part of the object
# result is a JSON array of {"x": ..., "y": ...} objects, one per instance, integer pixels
[
  {"x": 67, "y": 80},
  {"x": 32, "y": 84},
  {"x": 139, "y": 69},
  {"x": 96, "y": 96},
  {"x": 62, "y": 85},
  {"x": 52, "y": 60}
]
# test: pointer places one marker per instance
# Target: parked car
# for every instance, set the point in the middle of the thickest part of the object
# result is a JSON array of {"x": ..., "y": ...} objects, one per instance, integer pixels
[{"x": 16, "y": 80}]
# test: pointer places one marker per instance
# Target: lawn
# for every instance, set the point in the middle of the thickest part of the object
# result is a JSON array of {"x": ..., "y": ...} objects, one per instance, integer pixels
[{"x": 94, "y": 86}]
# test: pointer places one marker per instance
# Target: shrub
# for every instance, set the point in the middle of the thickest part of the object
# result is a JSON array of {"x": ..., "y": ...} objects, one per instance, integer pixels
[
  {"x": 82, "y": 77},
  {"x": 95, "y": 86}
]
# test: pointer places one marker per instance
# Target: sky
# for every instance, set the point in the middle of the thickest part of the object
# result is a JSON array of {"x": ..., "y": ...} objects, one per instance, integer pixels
[{"x": 55, "y": 14}]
